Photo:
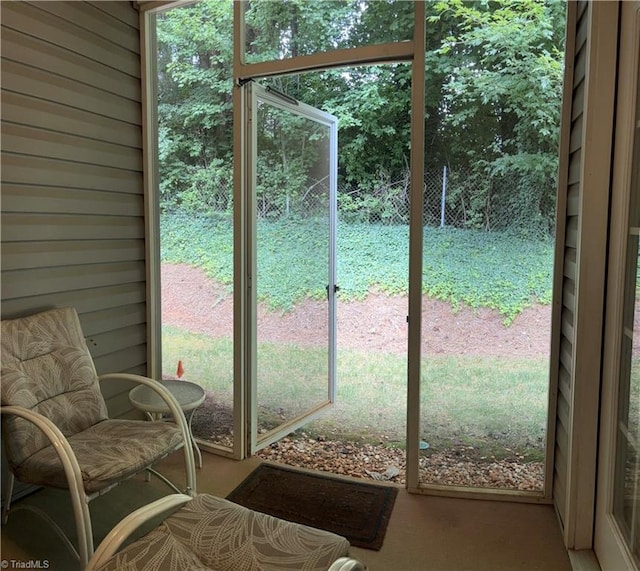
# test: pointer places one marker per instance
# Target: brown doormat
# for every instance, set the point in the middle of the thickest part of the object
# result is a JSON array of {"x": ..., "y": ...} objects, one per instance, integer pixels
[{"x": 358, "y": 511}]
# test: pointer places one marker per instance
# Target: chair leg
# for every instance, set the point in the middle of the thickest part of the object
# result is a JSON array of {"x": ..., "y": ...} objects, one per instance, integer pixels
[
  {"x": 8, "y": 492},
  {"x": 193, "y": 440},
  {"x": 84, "y": 529},
  {"x": 79, "y": 499}
]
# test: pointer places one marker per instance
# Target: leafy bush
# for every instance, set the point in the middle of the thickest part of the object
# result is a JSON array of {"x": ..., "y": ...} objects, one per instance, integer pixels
[
  {"x": 497, "y": 270},
  {"x": 487, "y": 269},
  {"x": 202, "y": 241}
]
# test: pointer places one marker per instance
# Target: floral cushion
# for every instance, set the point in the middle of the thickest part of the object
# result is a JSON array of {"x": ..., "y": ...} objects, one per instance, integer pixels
[
  {"x": 158, "y": 550},
  {"x": 107, "y": 452},
  {"x": 214, "y": 533},
  {"x": 47, "y": 368}
]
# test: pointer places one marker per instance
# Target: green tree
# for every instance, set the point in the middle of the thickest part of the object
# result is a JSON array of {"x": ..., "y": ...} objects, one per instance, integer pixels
[
  {"x": 195, "y": 54},
  {"x": 493, "y": 76},
  {"x": 501, "y": 97}
]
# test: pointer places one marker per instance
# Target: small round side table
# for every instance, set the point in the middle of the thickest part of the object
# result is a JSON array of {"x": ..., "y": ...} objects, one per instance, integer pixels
[{"x": 189, "y": 396}]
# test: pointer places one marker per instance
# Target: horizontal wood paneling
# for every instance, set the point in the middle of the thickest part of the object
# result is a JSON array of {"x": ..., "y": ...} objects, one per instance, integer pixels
[
  {"x": 573, "y": 200},
  {"x": 576, "y": 134},
  {"x": 24, "y": 140},
  {"x": 132, "y": 360},
  {"x": 571, "y": 239},
  {"x": 562, "y": 443},
  {"x": 559, "y": 492},
  {"x": 113, "y": 319},
  {"x": 566, "y": 354},
  {"x": 43, "y": 171},
  {"x": 33, "y": 52},
  {"x": 40, "y": 281},
  {"x": 40, "y": 227},
  {"x": 49, "y": 115},
  {"x": 564, "y": 413},
  {"x": 29, "y": 255},
  {"x": 569, "y": 296},
  {"x": 19, "y": 78},
  {"x": 575, "y": 164},
  {"x": 73, "y": 225},
  {"x": 103, "y": 24},
  {"x": 581, "y": 35},
  {"x": 560, "y": 480},
  {"x": 578, "y": 102},
  {"x": 588, "y": 100},
  {"x": 560, "y": 472},
  {"x": 570, "y": 264},
  {"x": 84, "y": 300},
  {"x": 19, "y": 198},
  {"x": 564, "y": 384},
  {"x": 77, "y": 36},
  {"x": 567, "y": 325},
  {"x": 117, "y": 10},
  {"x": 580, "y": 67}
]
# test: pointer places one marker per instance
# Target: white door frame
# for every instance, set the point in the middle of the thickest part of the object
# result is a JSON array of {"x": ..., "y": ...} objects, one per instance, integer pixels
[
  {"x": 610, "y": 548},
  {"x": 409, "y": 51},
  {"x": 254, "y": 94}
]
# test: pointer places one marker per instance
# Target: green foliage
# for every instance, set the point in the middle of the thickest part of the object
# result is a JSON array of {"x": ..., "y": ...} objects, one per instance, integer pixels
[
  {"x": 373, "y": 110},
  {"x": 292, "y": 261},
  {"x": 195, "y": 135},
  {"x": 493, "y": 88},
  {"x": 291, "y": 163},
  {"x": 383, "y": 201},
  {"x": 501, "y": 64},
  {"x": 478, "y": 269},
  {"x": 279, "y": 30},
  {"x": 204, "y": 242}
]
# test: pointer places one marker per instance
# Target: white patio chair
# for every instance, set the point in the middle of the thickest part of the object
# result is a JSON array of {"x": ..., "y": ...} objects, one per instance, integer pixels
[{"x": 56, "y": 430}]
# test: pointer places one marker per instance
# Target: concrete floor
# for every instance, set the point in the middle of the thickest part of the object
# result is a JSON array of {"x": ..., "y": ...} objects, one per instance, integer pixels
[{"x": 424, "y": 533}]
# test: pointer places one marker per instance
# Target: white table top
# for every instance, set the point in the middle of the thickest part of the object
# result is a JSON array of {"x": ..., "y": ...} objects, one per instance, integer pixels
[{"x": 189, "y": 396}]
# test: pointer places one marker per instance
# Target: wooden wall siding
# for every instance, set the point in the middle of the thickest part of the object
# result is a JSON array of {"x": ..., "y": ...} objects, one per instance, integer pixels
[
  {"x": 73, "y": 229},
  {"x": 573, "y": 162}
]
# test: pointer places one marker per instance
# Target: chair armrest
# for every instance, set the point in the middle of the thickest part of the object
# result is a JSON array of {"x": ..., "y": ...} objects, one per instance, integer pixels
[
  {"x": 347, "y": 564},
  {"x": 176, "y": 412},
  {"x": 118, "y": 535},
  {"x": 71, "y": 469}
]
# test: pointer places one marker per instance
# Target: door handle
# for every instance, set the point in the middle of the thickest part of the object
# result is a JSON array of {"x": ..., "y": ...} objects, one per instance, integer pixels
[{"x": 336, "y": 289}]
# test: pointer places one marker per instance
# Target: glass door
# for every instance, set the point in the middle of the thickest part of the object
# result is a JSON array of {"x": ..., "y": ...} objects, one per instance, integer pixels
[
  {"x": 617, "y": 530},
  {"x": 292, "y": 177}
]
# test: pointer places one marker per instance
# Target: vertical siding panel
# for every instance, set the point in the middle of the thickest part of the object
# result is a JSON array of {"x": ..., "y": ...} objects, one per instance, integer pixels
[
  {"x": 73, "y": 227},
  {"x": 562, "y": 317},
  {"x": 587, "y": 116}
]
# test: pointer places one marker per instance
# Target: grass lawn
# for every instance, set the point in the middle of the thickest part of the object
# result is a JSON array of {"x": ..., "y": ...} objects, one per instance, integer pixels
[{"x": 496, "y": 406}]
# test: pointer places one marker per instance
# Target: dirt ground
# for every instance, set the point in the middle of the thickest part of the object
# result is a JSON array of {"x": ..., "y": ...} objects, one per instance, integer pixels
[
  {"x": 377, "y": 323},
  {"x": 193, "y": 302}
]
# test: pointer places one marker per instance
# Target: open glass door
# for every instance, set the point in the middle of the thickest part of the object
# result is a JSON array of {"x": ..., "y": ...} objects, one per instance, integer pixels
[{"x": 292, "y": 177}]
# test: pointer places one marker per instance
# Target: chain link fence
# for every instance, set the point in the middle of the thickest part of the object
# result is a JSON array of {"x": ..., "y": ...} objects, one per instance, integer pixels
[
  {"x": 454, "y": 199},
  {"x": 457, "y": 199},
  {"x": 471, "y": 200}
]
